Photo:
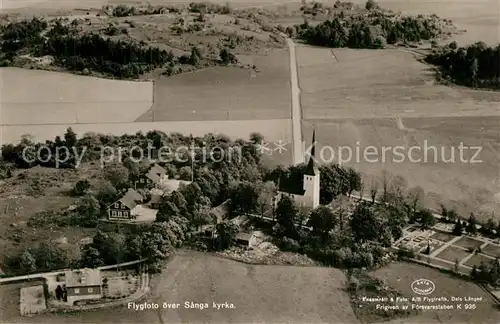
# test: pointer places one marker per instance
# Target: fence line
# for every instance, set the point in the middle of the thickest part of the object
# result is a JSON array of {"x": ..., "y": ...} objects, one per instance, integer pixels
[{"x": 55, "y": 272}]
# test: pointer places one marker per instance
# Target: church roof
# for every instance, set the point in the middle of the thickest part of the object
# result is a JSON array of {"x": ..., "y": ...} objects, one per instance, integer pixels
[
  {"x": 311, "y": 168},
  {"x": 292, "y": 187}
]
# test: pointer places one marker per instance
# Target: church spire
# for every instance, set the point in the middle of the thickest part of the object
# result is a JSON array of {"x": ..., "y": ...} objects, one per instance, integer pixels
[{"x": 311, "y": 165}]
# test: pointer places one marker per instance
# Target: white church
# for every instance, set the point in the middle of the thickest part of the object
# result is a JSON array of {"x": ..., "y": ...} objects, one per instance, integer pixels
[{"x": 309, "y": 195}]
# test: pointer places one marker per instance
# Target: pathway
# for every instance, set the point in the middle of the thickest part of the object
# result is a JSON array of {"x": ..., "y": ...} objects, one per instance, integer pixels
[{"x": 297, "y": 147}]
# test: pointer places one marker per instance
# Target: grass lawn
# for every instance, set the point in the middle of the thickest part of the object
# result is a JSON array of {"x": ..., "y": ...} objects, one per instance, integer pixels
[
  {"x": 468, "y": 243},
  {"x": 452, "y": 253},
  {"x": 477, "y": 259},
  {"x": 443, "y": 237},
  {"x": 492, "y": 250}
]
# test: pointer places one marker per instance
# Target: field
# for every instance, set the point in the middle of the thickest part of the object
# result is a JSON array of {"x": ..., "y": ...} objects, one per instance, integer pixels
[
  {"x": 452, "y": 253},
  {"x": 401, "y": 275},
  {"x": 30, "y": 97},
  {"x": 260, "y": 294},
  {"x": 224, "y": 93},
  {"x": 468, "y": 243},
  {"x": 389, "y": 100}
]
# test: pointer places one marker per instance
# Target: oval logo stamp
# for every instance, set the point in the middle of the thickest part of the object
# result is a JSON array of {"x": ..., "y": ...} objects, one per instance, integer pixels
[{"x": 423, "y": 287}]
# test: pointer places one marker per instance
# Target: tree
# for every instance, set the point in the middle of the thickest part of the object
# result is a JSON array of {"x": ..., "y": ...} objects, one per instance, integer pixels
[
  {"x": 428, "y": 249},
  {"x": 416, "y": 196},
  {"x": 70, "y": 138},
  {"x": 90, "y": 257},
  {"x": 354, "y": 181},
  {"x": 203, "y": 216},
  {"x": 81, "y": 187},
  {"x": 227, "y": 57},
  {"x": 266, "y": 195},
  {"x": 456, "y": 266},
  {"x": 286, "y": 215},
  {"x": 186, "y": 173},
  {"x": 196, "y": 55},
  {"x": 88, "y": 210},
  {"x": 117, "y": 174},
  {"x": 365, "y": 224},
  {"x": 471, "y": 226},
  {"x": 256, "y": 138},
  {"x": 322, "y": 220},
  {"x": 156, "y": 249},
  {"x": 457, "y": 230},
  {"x": 28, "y": 263},
  {"x": 244, "y": 197},
  {"x": 50, "y": 257},
  {"x": 166, "y": 211},
  {"x": 371, "y": 4},
  {"x": 106, "y": 193},
  {"x": 111, "y": 246},
  {"x": 474, "y": 273},
  {"x": 426, "y": 218},
  {"x": 226, "y": 235}
]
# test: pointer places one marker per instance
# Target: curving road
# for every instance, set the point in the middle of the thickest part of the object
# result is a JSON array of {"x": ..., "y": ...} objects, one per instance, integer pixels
[{"x": 297, "y": 147}]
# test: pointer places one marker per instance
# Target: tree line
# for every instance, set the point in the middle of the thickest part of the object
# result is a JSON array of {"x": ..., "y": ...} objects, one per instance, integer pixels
[{"x": 476, "y": 65}]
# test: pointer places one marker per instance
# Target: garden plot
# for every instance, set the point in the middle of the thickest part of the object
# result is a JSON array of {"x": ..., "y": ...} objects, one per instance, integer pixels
[
  {"x": 443, "y": 237},
  {"x": 492, "y": 250},
  {"x": 468, "y": 243},
  {"x": 32, "y": 300},
  {"x": 453, "y": 253},
  {"x": 477, "y": 259}
]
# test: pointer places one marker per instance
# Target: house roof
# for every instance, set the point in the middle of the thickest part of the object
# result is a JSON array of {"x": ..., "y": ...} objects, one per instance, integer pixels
[
  {"x": 311, "y": 168},
  {"x": 156, "y": 172},
  {"x": 173, "y": 184},
  {"x": 222, "y": 210},
  {"x": 130, "y": 198},
  {"x": 295, "y": 187},
  {"x": 82, "y": 278},
  {"x": 155, "y": 199},
  {"x": 244, "y": 236}
]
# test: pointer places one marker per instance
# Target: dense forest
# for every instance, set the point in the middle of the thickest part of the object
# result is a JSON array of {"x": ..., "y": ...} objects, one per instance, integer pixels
[
  {"x": 476, "y": 65},
  {"x": 371, "y": 28}
]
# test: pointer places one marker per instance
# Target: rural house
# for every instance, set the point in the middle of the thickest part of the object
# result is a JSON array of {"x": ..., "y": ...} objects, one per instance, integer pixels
[
  {"x": 83, "y": 284},
  {"x": 307, "y": 193},
  {"x": 155, "y": 201},
  {"x": 154, "y": 176},
  {"x": 245, "y": 239},
  {"x": 126, "y": 207}
]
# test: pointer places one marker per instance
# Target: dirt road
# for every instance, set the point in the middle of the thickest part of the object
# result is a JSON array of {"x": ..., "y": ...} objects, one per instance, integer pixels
[{"x": 297, "y": 147}]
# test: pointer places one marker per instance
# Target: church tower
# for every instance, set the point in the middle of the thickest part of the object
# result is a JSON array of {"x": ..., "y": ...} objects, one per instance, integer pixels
[{"x": 311, "y": 177}]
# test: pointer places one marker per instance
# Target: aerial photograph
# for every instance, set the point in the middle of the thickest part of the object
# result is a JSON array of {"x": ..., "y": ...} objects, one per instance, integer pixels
[{"x": 250, "y": 161}]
